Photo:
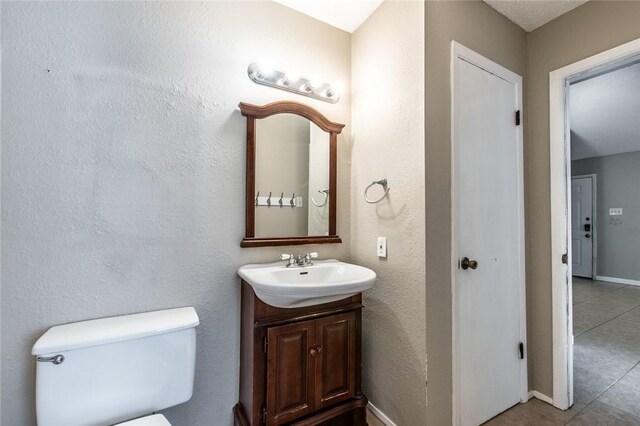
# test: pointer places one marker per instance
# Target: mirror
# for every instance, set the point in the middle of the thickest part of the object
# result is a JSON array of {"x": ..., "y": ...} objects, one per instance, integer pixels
[{"x": 291, "y": 175}]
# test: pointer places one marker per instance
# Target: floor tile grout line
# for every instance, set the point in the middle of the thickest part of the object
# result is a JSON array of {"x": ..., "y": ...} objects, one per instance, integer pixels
[
  {"x": 603, "y": 392},
  {"x": 599, "y": 295},
  {"x": 607, "y": 321},
  {"x": 576, "y": 414}
]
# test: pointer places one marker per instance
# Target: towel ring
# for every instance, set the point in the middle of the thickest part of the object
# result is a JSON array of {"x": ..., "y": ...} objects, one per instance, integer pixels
[
  {"x": 382, "y": 182},
  {"x": 325, "y": 192}
]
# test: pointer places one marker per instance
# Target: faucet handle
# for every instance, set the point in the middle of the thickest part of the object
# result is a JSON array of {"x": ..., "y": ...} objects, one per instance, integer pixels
[
  {"x": 284, "y": 256},
  {"x": 313, "y": 255}
]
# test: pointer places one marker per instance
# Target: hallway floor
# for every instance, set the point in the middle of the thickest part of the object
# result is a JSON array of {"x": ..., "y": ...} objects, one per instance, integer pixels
[{"x": 606, "y": 325}]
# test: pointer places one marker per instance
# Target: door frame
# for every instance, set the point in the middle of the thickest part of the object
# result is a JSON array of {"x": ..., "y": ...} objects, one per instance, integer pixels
[
  {"x": 560, "y": 205},
  {"x": 594, "y": 218},
  {"x": 468, "y": 55}
]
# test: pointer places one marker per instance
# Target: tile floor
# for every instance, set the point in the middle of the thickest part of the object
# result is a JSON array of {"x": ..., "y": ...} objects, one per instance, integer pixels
[
  {"x": 606, "y": 325},
  {"x": 372, "y": 420}
]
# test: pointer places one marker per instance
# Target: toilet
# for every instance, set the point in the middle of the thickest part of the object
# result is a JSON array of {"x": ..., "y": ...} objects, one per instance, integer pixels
[{"x": 116, "y": 371}]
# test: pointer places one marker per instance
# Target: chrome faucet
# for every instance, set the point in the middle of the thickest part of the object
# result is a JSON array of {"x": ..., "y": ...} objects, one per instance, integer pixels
[
  {"x": 300, "y": 260},
  {"x": 291, "y": 259}
]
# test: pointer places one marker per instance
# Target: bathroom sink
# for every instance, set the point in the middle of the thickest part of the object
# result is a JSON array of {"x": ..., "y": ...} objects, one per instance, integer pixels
[{"x": 297, "y": 286}]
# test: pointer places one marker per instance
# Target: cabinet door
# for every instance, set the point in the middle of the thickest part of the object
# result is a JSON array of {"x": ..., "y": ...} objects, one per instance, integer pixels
[
  {"x": 290, "y": 371},
  {"x": 335, "y": 375}
]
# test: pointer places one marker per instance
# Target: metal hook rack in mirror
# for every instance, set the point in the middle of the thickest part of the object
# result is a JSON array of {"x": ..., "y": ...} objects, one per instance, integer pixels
[{"x": 383, "y": 183}]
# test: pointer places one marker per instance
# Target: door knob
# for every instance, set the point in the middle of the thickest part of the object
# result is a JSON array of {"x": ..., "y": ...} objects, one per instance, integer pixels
[
  {"x": 588, "y": 235},
  {"x": 313, "y": 352},
  {"x": 465, "y": 263}
]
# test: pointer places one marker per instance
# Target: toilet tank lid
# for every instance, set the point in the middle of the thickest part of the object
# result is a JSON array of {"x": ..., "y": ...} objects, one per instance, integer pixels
[{"x": 114, "y": 329}]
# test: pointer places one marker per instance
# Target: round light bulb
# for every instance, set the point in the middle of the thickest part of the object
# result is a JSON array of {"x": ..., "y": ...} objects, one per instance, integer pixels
[{"x": 315, "y": 81}]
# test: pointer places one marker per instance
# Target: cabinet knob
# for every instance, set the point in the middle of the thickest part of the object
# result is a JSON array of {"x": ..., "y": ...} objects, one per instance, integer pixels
[{"x": 315, "y": 350}]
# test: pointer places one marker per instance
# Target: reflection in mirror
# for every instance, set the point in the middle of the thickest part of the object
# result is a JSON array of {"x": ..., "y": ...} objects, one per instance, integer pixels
[
  {"x": 291, "y": 186},
  {"x": 292, "y": 165}
]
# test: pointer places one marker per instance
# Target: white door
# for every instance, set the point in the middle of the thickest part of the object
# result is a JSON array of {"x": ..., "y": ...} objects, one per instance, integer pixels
[
  {"x": 488, "y": 228},
  {"x": 582, "y": 226}
]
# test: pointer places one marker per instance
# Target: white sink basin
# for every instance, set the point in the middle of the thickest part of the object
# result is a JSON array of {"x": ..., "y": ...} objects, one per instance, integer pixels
[{"x": 293, "y": 287}]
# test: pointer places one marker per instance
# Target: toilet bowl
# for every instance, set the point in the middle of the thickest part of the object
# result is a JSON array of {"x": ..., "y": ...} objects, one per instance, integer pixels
[{"x": 112, "y": 370}]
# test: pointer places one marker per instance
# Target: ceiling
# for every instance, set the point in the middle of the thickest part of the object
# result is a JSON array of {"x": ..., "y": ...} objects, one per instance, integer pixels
[
  {"x": 605, "y": 114},
  {"x": 531, "y": 14},
  {"x": 347, "y": 15}
]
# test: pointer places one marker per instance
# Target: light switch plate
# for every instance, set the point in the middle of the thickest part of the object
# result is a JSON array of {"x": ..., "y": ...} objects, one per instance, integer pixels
[
  {"x": 615, "y": 211},
  {"x": 382, "y": 247}
]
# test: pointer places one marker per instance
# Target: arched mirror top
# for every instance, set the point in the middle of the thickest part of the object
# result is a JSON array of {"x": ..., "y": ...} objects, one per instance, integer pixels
[{"x": 291, "y": 107}]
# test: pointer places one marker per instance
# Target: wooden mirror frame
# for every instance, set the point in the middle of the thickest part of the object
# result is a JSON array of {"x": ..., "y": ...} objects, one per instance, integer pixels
[{"x": 254, "y": 112}]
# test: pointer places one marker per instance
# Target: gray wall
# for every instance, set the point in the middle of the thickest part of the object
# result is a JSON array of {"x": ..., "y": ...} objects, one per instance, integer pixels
[
  {"x": 480, "y": 28},
  {"x": 282, "y": 165},
  {"x": 589, "y": 29},
  {"x": 618, "y": 185},
  {"x": 123, "y": 170},
  {"x": 388, "y": 141},
  {"x": 0, "y": 209}
]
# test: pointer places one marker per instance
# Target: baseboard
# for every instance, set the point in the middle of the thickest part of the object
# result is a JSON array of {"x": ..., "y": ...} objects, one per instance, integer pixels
[
  {"x": 380, "y": 415},
  {"x": 542, "y": 397},
  {"x": 617, "y": 280}
]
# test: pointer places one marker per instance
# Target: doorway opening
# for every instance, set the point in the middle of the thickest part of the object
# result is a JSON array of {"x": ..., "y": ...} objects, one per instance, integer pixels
[{"x": 595, "y": 165}]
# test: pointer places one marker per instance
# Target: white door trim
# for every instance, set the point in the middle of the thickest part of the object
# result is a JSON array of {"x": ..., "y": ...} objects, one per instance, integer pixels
[
  {"x": 594, "y": 219},
  {"x": 468, "y": 55},
  {"x": 559, "y": 202}
]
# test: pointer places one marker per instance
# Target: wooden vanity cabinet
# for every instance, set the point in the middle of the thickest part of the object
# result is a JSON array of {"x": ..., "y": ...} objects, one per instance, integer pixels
[{"x": 300, "y": 366}]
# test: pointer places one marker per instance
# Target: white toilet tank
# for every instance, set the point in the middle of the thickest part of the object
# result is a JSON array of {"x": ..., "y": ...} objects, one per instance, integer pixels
[{"x": 115, "y": 369}]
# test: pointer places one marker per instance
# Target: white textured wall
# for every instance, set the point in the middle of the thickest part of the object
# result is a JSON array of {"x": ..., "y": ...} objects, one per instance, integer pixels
[
  {"x": 123, "y": 170},
  {"x": 388, "y": 141},
  {"x": 318, "y": 180}
]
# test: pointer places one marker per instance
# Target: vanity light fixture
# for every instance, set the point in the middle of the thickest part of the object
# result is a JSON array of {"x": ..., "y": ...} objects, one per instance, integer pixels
[{"x": 302, "y": 86}]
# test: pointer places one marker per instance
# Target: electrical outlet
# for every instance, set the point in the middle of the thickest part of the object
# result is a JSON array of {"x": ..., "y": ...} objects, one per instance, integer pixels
[
  {"x": 382, "y": 247},
  {"x": 615, "y": 212}
]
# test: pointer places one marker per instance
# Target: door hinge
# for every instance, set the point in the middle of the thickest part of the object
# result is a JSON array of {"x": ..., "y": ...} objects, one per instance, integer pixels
[
  {"x": 517, "y": 117},
  {"x": 521, "y": 347},
  {"x": 264, "y": 415},
  {"x": 565, "y": 258},
  {"x": 265, "y": 344}
]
